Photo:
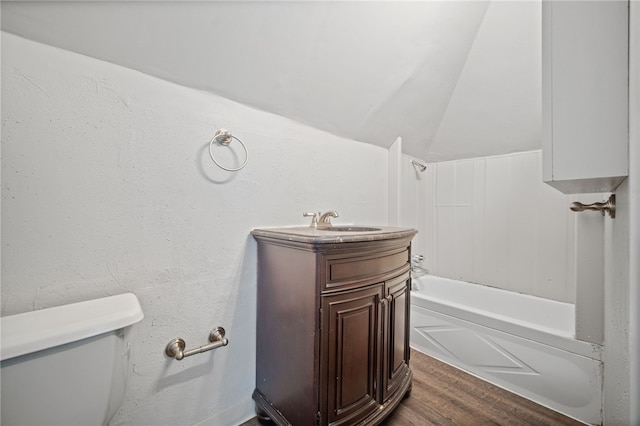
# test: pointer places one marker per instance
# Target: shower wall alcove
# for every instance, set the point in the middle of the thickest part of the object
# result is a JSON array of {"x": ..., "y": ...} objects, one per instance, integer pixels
[{"x": 494, "y": 222}]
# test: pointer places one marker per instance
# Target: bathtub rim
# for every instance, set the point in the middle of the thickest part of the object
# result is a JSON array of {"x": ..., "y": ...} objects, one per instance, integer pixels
[{"x": 550, "y": 337}]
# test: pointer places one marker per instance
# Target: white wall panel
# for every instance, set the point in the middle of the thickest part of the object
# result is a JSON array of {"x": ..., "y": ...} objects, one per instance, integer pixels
[
  {"x": 464, "y": 182},
  {"x": 448, "y": 257},
  {"x": 523, "y": 222},
  {"x": 493, "y": 221},
  {"x": 445, "y": 183},
  {"x": 479, "y": 237},
  {"x": 463, "y": 234}
]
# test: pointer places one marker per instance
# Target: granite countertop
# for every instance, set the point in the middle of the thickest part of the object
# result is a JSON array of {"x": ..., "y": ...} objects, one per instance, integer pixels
[{"x": 307, "y": 234}]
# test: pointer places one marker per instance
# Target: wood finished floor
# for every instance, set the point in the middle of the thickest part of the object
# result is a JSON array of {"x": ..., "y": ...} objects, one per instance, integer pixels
[{"x": 445, "y": 396}]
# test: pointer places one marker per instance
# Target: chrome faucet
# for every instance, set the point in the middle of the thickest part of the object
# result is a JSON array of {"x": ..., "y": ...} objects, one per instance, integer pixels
[
  {"x": 319, "y": 220},
  {"x": 325, "y": 219},
  {"x": 416, "y": 261}
]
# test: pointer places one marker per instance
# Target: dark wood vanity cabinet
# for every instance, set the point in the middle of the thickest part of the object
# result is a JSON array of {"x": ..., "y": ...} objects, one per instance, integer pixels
[{"x": 332, "y": 328}]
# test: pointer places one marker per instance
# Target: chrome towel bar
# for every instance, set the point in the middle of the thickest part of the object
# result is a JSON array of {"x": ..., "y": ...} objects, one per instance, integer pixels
[{"x": 175, "y": 348}]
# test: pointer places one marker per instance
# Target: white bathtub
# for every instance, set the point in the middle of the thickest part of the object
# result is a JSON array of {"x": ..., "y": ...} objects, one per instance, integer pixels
[{"x": 519, "y": 342}]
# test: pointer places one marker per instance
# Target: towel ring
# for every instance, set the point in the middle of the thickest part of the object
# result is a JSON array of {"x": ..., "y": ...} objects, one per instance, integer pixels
[{"x": 224, "y": 137}]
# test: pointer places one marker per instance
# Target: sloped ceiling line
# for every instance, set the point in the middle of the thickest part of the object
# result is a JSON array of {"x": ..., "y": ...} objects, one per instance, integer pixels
[{"x": 368, "y": 71}]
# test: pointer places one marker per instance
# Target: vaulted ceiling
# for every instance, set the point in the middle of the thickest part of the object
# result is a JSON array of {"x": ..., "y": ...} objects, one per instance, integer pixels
[{"x": 453, "y": 79}]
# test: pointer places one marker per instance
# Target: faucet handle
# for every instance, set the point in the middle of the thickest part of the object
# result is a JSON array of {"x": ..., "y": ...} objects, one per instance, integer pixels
[{"x": 314, "y": 218}]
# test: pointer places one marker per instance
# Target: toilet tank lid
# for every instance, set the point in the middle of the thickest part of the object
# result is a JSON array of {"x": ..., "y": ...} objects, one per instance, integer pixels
[{"x": 38, "y": 330}]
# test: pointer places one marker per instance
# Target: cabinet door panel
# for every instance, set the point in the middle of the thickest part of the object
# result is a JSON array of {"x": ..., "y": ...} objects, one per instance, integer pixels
[
  {"x": 585, "y": 110},
  {"x": 395, "y": 360},
  {"x": 351, "y": 333}
]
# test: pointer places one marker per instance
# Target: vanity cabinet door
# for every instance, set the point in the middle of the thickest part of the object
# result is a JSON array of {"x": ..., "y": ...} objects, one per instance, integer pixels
[
  {"x": 395, "y": 350},
  {"x": 350, "y": 347}
]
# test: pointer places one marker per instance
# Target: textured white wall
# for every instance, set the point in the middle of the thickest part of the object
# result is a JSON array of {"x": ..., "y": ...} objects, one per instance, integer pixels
[
  {"x": 107, "y": 187},
  {"x": 622, "y": 291},
  {"x": 491, "y": 220}
]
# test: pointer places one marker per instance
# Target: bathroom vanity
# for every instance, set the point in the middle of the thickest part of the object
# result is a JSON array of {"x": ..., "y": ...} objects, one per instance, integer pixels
[{"x": 332, "y": 324}]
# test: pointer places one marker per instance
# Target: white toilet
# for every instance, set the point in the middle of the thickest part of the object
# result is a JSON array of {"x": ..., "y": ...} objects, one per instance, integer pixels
[{"x": 67, "y": 365}]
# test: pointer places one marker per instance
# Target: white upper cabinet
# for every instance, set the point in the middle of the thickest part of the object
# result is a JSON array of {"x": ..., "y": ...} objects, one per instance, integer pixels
[{"x": 585, "y": 95}]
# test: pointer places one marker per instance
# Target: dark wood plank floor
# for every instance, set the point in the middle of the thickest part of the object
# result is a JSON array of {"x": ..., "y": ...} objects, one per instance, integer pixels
[{"x": 445, "y": 396}]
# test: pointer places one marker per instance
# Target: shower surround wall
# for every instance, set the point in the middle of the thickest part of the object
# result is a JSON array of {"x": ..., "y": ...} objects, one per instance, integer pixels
[
  {"x": 107, "y": 187},
  {"x": 491, "y": 220}
]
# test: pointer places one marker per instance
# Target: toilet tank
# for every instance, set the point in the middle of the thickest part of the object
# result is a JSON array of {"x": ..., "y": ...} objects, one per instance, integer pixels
[{"x": 67, "y": 365}]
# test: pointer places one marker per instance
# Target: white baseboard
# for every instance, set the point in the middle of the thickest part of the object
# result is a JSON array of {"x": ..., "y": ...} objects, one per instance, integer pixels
[{"x": 232, "y": 416}]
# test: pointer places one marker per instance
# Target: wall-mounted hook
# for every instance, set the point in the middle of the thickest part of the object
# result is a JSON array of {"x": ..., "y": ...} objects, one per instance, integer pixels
[{"x": 608, "y": 206}]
